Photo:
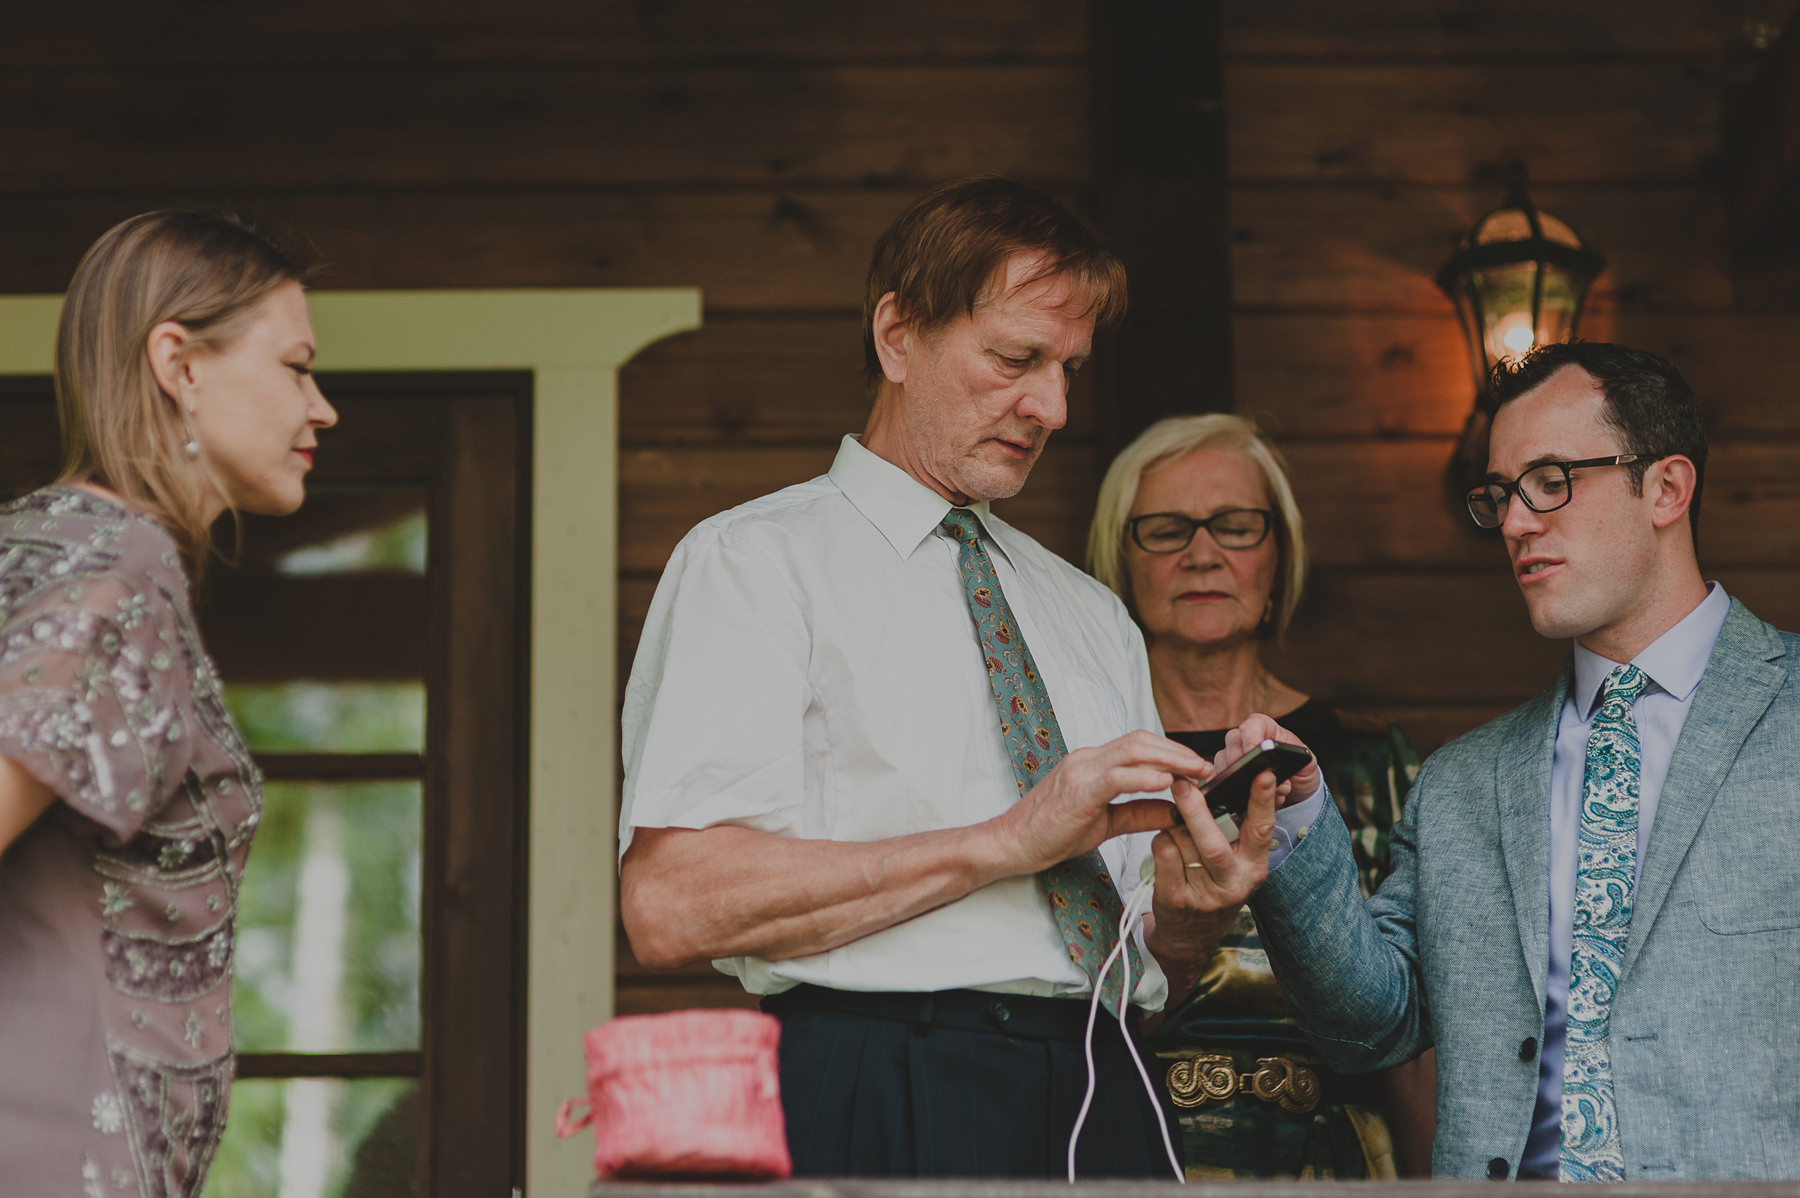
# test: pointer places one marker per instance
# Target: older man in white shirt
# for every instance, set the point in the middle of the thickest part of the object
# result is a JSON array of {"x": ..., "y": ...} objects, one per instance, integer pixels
[{"x": 846, "y": 784}]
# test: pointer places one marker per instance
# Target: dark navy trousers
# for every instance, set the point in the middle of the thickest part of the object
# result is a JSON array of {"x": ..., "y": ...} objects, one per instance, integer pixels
[{"x": 959, "y": 1083}]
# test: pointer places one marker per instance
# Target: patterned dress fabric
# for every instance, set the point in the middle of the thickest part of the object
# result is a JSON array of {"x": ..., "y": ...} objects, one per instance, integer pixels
[
  {"x": 1605, "y": 880},
  {"x": 117, "y": 907},
  {"x": 1238, "y": 1010},
  {"x": 1081, "y": 893}
]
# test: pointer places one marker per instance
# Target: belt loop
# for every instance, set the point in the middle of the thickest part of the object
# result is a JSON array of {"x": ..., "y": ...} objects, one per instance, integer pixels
[{"x": 923, "y": 1023}]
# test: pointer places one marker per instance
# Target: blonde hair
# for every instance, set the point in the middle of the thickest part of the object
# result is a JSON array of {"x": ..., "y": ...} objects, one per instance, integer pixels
[
  {"x": 1171, "y": 438},
  {"x": 205, "y": 270}
]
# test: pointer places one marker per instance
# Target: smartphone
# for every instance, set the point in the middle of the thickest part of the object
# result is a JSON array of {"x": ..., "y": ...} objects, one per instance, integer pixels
[{"x": 1228, "y": 793}]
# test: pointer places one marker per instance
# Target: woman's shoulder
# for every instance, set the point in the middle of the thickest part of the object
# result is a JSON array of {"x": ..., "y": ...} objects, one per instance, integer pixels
[{"x": 68, "y": 537}]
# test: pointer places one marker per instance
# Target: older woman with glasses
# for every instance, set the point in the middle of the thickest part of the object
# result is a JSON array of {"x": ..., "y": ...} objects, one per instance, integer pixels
[{"x": 1197, "y": 531}]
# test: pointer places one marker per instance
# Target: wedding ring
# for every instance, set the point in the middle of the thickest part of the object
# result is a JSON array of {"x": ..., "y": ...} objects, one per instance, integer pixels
[{"x": 1195, "y": 865}]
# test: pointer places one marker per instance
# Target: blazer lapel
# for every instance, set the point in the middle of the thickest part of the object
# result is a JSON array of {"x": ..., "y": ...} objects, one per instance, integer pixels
[
  {"x": 1522, "y": 789},
  {"x": 1739, "y": 684}
]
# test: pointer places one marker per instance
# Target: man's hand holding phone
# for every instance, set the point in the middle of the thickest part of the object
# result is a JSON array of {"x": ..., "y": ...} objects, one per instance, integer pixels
[{"x": 1203, "y": 875}]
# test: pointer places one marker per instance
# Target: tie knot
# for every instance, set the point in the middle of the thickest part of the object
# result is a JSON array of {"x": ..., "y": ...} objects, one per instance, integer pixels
[
  {"x": 1625, "y": 682},
  {"x": 960, "y": 524}
]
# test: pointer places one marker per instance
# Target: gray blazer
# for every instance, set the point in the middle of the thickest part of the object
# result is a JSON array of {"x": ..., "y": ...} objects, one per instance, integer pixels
[{"x": 1454, "y": 948}]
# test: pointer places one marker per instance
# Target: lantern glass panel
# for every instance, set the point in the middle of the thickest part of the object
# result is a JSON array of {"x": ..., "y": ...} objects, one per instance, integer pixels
[
  {"x": 1505, "y": 294},
  {"x": 1560, "y": 306},
  {"x": 1469, "y": 310}
]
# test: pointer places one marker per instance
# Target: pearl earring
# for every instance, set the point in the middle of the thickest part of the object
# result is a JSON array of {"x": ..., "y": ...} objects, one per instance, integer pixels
[{"x": 191, "y": 446}]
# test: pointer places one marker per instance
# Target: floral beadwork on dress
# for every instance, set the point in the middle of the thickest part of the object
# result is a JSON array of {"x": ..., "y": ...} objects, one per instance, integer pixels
[{"x": 108, "y": 697}]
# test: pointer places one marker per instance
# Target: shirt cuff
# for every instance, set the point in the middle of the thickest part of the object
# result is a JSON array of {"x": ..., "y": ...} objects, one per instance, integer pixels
[{"x": 1293, "y": 823}]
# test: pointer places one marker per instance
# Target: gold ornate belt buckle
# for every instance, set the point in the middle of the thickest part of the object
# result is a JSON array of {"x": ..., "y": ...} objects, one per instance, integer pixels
[{"x": 1203, "y": 1081}]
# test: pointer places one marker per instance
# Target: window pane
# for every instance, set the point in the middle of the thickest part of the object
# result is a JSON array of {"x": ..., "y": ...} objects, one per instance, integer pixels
[
  {"x": 341, "y": 530},
  {"x": 328, "y": 927},
  {"x": 319, "y": 1138},
  {"x": 391, "y": 545},
  {"x": 330, "y": 717}
]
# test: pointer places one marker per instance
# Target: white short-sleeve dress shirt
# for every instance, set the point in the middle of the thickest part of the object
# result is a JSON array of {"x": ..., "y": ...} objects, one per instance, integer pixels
[{"x": 808, "y": 668}]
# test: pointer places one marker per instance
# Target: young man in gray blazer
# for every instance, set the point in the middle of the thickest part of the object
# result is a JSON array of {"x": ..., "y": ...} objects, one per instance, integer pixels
[{"x": 1594, "y": 911}]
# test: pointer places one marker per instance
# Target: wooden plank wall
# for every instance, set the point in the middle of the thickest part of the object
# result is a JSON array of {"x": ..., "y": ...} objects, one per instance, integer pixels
[{"x": 1364, "y": 141}]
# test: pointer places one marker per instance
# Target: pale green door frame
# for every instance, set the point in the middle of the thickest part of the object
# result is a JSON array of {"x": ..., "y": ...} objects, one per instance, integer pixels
[{"x": 573, "y": 342}]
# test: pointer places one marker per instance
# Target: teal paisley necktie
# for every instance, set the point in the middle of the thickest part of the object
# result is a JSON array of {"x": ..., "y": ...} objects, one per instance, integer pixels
[
  {"x": 1605, "y": 880},
  {"x": 1080, "y": 892}
]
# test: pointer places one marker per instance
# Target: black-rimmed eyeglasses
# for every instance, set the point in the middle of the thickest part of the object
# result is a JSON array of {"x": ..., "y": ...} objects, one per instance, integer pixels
[
  {"x": 1543, "y": 488},
  {"x": 1171, "y": 532}
]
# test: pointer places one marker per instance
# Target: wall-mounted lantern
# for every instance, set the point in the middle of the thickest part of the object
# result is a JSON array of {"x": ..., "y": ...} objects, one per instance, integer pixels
[{"x": 1518, "y": 279}]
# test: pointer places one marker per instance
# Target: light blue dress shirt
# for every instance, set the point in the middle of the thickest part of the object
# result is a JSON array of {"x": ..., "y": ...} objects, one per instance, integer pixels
[{"x": 1674, "y": 661}]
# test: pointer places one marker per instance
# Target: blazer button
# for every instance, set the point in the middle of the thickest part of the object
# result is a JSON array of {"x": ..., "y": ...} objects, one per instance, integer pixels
[
  {"x": 1528, "y": 1048},
  {"x": 1497, "y": 1169},
  {"x": 1000, "y": 1012}
]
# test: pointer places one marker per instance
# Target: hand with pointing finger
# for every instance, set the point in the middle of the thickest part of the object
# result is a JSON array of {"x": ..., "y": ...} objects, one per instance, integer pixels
[{"x": 1071, "y": 810}]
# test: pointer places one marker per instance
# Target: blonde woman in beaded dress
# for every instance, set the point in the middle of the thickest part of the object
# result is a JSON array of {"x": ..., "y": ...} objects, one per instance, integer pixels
[{"x": 127, "y": 799}]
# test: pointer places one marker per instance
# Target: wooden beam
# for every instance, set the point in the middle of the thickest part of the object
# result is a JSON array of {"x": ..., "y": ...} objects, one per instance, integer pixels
[
  {"x": 1607, "y": 122},
  {"x": 464, "y": 32},
  {"x": 549, "y": 125},
  {"x": 340, "y": 767},
  {"x": 1160, "y": 141},
  {"x": 780, "y": 247},
  {"x": 1530, "y": 29},
  {"x": 283, "y": 1065}
]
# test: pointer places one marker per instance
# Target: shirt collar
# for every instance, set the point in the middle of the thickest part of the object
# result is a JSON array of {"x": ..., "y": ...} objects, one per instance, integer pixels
[
  {"x": 1675, "y": 660},
  {"x": 902, "y": 509}
]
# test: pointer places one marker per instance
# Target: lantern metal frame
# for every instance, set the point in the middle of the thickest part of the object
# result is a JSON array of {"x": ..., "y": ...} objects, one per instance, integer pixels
[
  {"x": 1458, "y": 280},
  {"x": 1457, "y": 277}
]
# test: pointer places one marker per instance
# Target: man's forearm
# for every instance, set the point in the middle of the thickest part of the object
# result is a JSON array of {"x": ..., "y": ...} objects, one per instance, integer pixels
[
  {"x": 694, "y": 895},
  {"x": 1355, "y": 991},
  {"x": 698, "y": 894}
]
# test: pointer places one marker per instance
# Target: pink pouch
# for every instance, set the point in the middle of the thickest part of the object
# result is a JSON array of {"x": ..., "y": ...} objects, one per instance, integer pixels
[{"x": 687, "y": 1093}]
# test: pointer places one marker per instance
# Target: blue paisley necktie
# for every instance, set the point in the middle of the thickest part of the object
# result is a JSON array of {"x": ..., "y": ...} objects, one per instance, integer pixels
[
  {"x": 1081, "y": 893},
  {"x": 1605, "y": 879}
]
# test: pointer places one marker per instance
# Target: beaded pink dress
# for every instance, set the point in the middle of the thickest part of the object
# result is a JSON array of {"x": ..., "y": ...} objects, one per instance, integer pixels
[{"x": 117, "y": 907}]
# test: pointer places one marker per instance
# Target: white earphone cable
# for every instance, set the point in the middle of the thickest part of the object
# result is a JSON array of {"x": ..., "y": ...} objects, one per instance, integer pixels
[{"x": 1134, "y": 910}]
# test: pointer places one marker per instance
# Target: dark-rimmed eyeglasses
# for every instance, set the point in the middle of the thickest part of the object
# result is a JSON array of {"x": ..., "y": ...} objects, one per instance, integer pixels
[
  {"x": 1171, "y": 532},
  {"x": 1543, "y": 488}
]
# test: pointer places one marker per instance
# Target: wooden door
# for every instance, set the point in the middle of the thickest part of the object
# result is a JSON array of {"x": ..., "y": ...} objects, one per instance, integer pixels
[{"x": 374, "y": 648}]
